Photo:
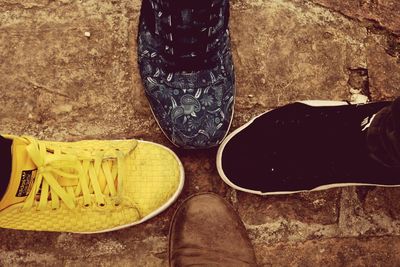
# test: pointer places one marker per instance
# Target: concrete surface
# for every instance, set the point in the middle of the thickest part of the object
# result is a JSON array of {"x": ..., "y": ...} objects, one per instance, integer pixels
[{"x": 56, "y": 83}]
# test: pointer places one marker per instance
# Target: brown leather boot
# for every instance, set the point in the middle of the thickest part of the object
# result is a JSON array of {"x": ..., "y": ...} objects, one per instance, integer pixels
[{"x": 206, "y": 230}]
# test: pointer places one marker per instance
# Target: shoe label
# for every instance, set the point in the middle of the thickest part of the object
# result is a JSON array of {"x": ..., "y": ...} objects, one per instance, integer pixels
[
  {"x": 366, "y": 123},
  {"x": 26, "y": 183}
]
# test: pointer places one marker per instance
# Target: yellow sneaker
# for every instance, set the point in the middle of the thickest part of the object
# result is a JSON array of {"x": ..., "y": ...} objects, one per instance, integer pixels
[{"x": 88, "y": 186}]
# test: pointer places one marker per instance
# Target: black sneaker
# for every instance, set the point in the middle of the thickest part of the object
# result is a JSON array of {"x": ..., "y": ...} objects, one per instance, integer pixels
[
  {"x": 186, "y": 66},
  {"x": 314, "y": 145}
]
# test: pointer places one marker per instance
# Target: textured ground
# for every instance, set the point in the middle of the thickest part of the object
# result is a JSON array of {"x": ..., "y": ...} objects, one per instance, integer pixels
[{"x": 59, "y": 84}]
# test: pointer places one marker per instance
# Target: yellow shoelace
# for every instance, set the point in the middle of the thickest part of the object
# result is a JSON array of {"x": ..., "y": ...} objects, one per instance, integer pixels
[{"x": 64, "y": 174}]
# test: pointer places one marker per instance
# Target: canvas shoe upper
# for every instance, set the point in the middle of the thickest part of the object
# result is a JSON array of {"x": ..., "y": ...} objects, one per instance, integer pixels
[
  {"x": 306, "y": 146},
  {"x": 88, "y": 186},
  {"x": 186, "y": 66}
]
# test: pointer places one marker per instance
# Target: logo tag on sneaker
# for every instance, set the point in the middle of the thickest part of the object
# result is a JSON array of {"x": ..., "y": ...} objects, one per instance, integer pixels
[
  {"x": 26, "y": 183},
  {"x": 367, "y": 122}
]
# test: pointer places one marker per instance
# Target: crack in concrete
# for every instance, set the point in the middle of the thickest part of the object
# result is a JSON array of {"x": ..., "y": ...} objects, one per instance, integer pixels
[
  {"x": 284, "y": 230},
  {"x": 365, "y": 22}
]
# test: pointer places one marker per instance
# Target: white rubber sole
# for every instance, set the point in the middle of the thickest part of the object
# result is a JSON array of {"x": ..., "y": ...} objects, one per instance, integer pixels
[
  {"x": 170, "y": 201},
  {"x": 314, "y": 103}
]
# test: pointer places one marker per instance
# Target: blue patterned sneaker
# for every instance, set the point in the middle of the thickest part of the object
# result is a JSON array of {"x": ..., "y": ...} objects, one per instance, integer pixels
[{"x": 186, "y": 65}]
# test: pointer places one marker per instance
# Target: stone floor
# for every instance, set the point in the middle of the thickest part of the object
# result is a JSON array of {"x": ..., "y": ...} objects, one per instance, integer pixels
[{"x": 57, "y": 83}]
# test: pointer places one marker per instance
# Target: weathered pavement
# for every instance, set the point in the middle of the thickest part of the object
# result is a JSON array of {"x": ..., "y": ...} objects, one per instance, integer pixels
[{"x": 57, "y": 83}]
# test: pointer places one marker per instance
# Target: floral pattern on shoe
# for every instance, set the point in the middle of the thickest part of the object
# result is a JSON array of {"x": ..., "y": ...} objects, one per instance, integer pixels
[{"x": 194, "y": 109}]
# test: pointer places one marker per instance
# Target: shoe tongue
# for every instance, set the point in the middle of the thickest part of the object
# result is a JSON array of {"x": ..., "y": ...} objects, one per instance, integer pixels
[{"x": 23, "y": 174}]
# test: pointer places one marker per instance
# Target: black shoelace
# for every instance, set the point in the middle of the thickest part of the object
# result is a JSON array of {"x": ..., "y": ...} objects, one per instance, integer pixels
[
  {"x": 5, "y": 171},
  {"x": 189, "y": 30}
]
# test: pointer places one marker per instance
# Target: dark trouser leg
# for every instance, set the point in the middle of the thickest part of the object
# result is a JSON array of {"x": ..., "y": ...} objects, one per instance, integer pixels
[
  {"x": 384, "y": 135},
  {"x": 5, "y": 169}
]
